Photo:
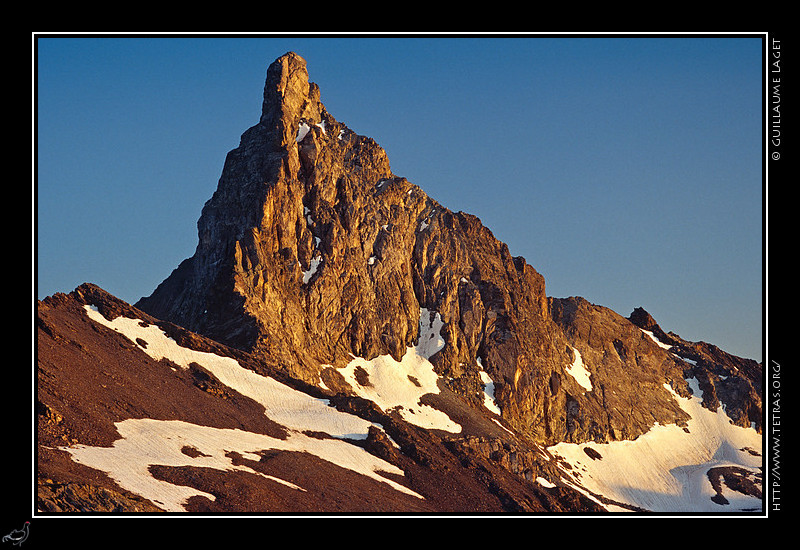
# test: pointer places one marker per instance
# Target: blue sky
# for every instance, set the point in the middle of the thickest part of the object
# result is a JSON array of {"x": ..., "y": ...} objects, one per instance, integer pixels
[{"x": 625, "y": 170}]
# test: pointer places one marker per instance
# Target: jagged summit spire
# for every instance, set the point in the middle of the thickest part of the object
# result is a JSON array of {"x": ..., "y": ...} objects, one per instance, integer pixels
[
  {"x": 286, "y": 86},
  {"x": 289, "y": 96}
]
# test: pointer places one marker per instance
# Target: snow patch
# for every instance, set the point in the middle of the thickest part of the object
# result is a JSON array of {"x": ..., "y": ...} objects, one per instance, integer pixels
[
  {"x": 430, "y": 337},
  {"x": 302, "y": 130},
  {"x": 499, "y": 424},
  {"x": 656, "y": 340},
  {"x": 286, "y": 406},
  {"x": 488, "y": 392},
  {"x": 145, "y": 442},
  {"x": 665, "y": 469},
  {"x": 543, "y": 482},
  {"x": 312, "y": 269},
  {"x": 579, "y": 372},
  {"x": 399, "y": 385}
]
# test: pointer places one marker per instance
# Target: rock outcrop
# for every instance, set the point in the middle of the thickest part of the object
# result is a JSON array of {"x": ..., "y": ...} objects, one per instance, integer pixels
[
  {"x": 628, "y": 372},
  {"x": 735, "y": 383}
]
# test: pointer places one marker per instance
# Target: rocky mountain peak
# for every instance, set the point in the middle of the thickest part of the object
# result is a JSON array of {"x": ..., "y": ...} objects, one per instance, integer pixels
[
  {"x": 289, "y": 97},
  {"x": 311, "y": 253},
  {"x": 334, "y": 316},
  {"x": 286, "y": 87},
  {"x": 641, "y": 318},
  {"x": 298, "y": 201}
]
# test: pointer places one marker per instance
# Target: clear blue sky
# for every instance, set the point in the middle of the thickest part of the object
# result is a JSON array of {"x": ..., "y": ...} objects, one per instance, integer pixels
[{"x": 625, "y": 170}]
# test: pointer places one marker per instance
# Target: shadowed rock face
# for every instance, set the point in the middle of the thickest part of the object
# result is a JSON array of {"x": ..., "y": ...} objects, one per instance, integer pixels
[
  {"x": 311, "y": 251},
  {"x": 726, "y": 380},
  {"x": 628, "y": 369}
]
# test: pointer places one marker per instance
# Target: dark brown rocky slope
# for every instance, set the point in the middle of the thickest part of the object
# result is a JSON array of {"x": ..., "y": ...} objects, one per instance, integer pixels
[{"x": 92, "y": 379}]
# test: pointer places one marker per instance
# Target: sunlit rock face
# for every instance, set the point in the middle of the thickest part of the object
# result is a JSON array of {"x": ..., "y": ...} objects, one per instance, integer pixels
[{"x": 311, "y": 252}]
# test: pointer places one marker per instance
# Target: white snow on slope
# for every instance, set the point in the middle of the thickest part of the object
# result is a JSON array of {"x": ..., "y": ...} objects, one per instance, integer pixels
[
  {"x": 545, "y": 483},
  {"x": 656, "y": 340},
  {"x": 312, "y": 268},
  {"x": 579, "y": 371},
  {"x": 488, "y": 393},
  {"x": 146, "y": 441},
  {"x": 302, "y": 130},
  {"x": 665, "y": 469},
  {"x": 400, "y": 385},
  {"x": 488, "y": 389},
  {"x": 286, "y": 406}
]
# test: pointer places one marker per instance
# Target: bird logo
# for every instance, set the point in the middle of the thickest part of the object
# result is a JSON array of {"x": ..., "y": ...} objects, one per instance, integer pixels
[{"x": 18, "y": 536}]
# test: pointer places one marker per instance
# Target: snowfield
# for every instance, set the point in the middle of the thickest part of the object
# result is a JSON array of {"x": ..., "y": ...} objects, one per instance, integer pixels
[
  {"x": 399, "y": 385},
  {"x": 665, "y": 470},
  {"x": 146, "y": 442},
  {"x": 579, "y": 371}
]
